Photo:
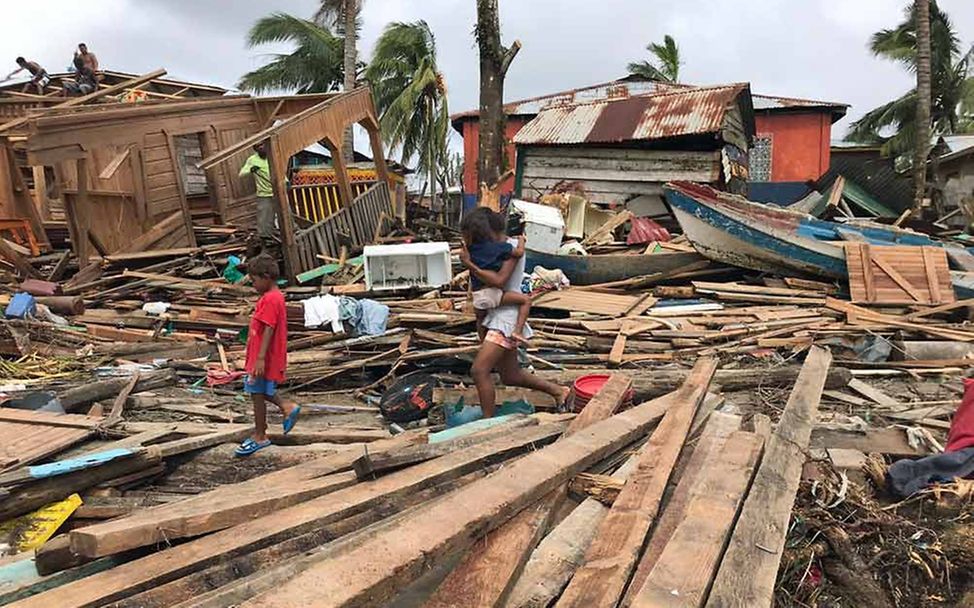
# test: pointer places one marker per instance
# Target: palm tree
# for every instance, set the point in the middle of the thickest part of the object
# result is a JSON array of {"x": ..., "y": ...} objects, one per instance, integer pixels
[
  {"x": 667, "y": 68},
  {"x": 315, "y": 65},
  {"x": 894, "y": 124},
  {"x": 921, "y": 149},
  {"x": 410, "y": 95},
  {"x": 343, "y": 16}
]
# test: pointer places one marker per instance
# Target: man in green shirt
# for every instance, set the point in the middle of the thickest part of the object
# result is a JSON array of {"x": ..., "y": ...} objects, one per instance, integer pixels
[{"x": 258, "y": 166}]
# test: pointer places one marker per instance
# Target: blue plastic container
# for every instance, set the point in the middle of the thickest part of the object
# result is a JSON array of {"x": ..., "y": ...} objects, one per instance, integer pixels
[{"x": 21, "y": 306}]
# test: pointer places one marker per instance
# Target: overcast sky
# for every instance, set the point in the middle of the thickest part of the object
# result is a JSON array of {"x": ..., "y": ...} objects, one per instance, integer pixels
[{"x": 806, "y": 48}]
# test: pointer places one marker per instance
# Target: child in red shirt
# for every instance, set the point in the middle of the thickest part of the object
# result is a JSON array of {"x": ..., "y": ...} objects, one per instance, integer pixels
[{"x": 266, "y": 354}]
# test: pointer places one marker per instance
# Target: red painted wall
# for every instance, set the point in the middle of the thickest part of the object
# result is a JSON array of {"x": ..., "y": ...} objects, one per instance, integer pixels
[
  {"x": 471, "y": 150},
  {"x": 800, "y": 145}
]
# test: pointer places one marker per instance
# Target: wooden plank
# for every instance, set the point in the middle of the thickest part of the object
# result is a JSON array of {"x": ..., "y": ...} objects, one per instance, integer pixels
[
  {"x": 891, "y": 441},
  {"x": 929, "y": 268},
  {"x": 618, "y": 349},
  {"x": 270, "y": 493},
  {"x": 899, "y": 279},
  {"x": 49, "y": 418},
  {"x": 455, "y": 522},
  {"x": 486, "y": 576},
  {"x": 19, "y": 262},
  {"x": 747, "y": 573},
  {"x": 719, "y": 427},
  {"x": 867, "y": 272},
  {"x": 181, "y": 188},
  {"x": 115, "y": 414},
  {"x": 610, "y": 560},
  {"x": 873, "y": 393},
  {"x": 109, "y": 171},
  {"x": 684, "y": 570}
]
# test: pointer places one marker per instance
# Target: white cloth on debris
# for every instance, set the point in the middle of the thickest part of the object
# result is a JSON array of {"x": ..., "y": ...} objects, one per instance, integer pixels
[{"x": 320, "y": 310}]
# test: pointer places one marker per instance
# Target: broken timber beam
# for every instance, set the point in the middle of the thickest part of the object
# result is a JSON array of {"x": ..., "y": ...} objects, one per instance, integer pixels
[
  {"x": 486, "y": 576},
  {"x": 256, "y": 533},
  {"x": 748, "y": 570},
  {"x": 612, "y": 556},
  {"x": 661, "y": 382},
  {"x": 371, "y": 574}
]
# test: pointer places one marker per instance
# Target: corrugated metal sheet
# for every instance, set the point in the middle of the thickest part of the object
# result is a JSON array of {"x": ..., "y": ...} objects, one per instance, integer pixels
[
  {"x": 645, "y": 117},
  {"x": 630, "y": 88}
]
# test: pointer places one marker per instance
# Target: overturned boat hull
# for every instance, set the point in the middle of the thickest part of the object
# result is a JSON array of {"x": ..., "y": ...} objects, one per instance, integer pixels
[{"x": 595, "y": 269}]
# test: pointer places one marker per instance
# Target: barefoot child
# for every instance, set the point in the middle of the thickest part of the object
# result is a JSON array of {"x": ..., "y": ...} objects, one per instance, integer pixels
[
  {"x": 491, "y": 260},
  {"x": 266, "y": 354}
]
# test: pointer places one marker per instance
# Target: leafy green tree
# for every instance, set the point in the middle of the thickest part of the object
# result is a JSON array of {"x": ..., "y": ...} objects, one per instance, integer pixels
[
  {"x": 410, "y": 96},
  {"x": 314, "y": 66},
  {"x": 893, "y": 124},
  {"x": 666, "y": 68}
]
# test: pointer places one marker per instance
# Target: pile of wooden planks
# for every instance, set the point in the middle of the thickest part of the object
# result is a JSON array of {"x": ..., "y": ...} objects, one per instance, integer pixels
[{"x": 318, "y": 533}]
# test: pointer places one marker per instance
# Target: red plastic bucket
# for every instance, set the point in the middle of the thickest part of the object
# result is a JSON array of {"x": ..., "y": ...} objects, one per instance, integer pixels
[{"x": 586, "y": 387}]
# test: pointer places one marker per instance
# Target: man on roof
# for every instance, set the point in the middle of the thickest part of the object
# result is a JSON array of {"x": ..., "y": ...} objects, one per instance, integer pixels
[
  {"x": 89, "y": 58},
  {"x": 39, "y": 76}
]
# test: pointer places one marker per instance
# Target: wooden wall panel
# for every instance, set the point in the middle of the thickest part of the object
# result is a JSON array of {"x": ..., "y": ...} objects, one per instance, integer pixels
[{"x": 111, "y": 218}]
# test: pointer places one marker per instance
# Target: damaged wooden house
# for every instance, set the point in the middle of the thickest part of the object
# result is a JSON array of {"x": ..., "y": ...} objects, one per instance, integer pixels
[
  {"x": 133, "y": 177},
  {"x": 623, "y": 150}
]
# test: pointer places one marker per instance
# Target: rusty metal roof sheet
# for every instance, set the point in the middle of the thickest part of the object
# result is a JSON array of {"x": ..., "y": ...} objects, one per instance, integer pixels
[
  {"x": 689, "y": 111},
  {"x": 631, "y": 87}
]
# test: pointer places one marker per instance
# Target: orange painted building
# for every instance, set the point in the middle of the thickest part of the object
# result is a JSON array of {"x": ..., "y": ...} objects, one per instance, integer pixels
[{"x": 792, "y": 143}]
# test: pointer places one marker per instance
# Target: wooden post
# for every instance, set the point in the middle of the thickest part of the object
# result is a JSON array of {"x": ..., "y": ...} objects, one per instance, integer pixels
[
  {"x": 341, "y": 172},
  {"x": 76, "y": 210},
  {"x": 278, "y": 166},
  {"x": 183, "y": 201}
]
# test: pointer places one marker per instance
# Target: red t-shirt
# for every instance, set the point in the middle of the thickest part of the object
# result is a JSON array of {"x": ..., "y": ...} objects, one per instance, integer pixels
[{"x": 270, "y": 312}]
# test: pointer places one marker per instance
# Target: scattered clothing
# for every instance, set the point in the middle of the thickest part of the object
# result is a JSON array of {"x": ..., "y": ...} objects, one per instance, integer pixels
[
  {"x": 156, "y": 308},
  {"x": 489, "y": 255},
  {"x": 487, "y": 298},
  {"x": 542, "y": 280},
  {"x": 367, "y": 317},
  {"x": 322, "y": 310},
  {"x": 961, "y": 434},
  {"x": 219, "y": 377},
  {"x": 907, "y": 477},
  {"x": 260, "y": 386},
  {"x": 270, "y": 313}
]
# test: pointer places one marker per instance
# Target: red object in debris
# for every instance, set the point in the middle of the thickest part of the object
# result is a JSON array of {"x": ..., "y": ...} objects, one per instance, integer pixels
[
  {"x": 645, "y": 230},
  {"x": 961, "y": 434},
  {"x": 586, "y": 387}
]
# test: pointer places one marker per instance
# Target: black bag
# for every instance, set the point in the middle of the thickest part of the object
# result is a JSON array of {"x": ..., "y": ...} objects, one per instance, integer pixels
[{"x": 409, "y": 398}]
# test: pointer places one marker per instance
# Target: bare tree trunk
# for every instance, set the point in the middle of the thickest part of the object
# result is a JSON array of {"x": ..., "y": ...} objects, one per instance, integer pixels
[
  {"x": 494, "y": 61},
  {"x": 351, "y": 58},
  {"x": 924, "y": 95}
]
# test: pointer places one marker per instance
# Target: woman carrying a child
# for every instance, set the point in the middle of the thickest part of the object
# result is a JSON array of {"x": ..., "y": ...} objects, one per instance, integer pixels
[{"x": 496, "y": 266}]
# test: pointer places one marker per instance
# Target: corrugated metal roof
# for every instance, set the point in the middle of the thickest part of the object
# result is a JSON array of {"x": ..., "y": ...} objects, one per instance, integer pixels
[
  {"x": 630, "y": 88},
  {"x": 645, "y": 117}
]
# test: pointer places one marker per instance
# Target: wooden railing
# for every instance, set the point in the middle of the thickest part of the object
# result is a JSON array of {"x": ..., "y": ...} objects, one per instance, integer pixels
[
  {"x": 353, "y": 226},
  {"x": 317, "y": 202}
]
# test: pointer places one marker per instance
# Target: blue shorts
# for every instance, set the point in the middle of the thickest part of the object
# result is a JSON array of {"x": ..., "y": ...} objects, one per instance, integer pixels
[{"x": 259, "y": 386}]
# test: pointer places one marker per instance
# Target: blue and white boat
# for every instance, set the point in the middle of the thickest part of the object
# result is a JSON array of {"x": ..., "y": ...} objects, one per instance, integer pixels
[{"x": 731, "y": 229}]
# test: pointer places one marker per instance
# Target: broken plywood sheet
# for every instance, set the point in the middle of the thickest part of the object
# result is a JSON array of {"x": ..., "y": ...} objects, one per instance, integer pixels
[
  {"x": 612, "y": 305},
  {"x": 898, "y": 274}
]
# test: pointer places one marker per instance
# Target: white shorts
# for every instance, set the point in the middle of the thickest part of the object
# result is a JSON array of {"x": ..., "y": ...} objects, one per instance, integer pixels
[{"x": 487, "y": 298}]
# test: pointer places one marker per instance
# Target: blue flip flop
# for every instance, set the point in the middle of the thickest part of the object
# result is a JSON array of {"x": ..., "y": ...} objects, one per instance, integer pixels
[
  {"x": 249, "y": 446},
  {"x": 291, "y": 419}
]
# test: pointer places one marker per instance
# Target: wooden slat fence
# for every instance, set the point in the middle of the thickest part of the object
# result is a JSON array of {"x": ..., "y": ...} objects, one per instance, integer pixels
[{"x": 353, "y": 225}]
